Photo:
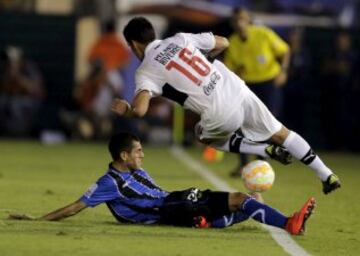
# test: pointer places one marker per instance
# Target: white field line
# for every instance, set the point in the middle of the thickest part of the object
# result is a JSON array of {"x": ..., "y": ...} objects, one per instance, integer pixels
[
  {"x": 280, "y": 236},
  {"x": 6, "y": 210}
]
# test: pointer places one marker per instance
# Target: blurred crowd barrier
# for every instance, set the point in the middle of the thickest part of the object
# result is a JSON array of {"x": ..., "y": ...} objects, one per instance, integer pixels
[{"x": 62, "y": 64}]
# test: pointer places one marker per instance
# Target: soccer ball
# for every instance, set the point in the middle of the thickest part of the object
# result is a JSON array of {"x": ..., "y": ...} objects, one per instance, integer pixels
[{"x": 258, "y": 176}]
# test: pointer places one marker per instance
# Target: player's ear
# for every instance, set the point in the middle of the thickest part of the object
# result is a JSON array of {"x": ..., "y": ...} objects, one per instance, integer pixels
[
  {"x": 136, "y": 48},
  {"x": 131, "y": 44},
  {"x": 135, "y": 45},
  {"x": 123, "y": 156}
]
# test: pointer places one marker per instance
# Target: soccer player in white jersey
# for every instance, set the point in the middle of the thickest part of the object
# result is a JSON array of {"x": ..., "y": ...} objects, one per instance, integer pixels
[{"x": 232, "y": 118}]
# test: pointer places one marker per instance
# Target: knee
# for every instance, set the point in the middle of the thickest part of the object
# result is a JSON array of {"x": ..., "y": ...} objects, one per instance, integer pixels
[
  {"x": 236, "y": 200},
  {"x": 280, "y": 136}
]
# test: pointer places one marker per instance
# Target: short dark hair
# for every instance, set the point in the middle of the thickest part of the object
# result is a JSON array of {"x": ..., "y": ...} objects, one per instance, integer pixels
[
  {"x": 119, "y": 142},
  {"x": 139, "y": 29},
  {"x": 239, "y": 9}
]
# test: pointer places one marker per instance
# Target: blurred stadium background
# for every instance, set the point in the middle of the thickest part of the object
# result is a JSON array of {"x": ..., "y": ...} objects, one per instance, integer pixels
[
  {"x": 320, "y": 100},
  {"x": 52, "y": 91}
]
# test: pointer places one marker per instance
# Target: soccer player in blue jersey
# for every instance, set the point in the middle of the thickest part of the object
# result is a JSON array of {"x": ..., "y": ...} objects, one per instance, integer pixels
[{"x": 132, "y": 196}]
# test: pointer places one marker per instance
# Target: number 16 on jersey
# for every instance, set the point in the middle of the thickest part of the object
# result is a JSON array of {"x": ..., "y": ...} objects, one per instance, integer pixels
[{"x": 194, "y": 65}]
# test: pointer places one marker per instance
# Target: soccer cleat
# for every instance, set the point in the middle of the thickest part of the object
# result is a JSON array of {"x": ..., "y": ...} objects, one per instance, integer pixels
[
  {"x": 278, "y": 153},
  {"x": 201, "y": 222},
  {"x": 331, "y": 183},
  {"x": 296, "y": 223}
]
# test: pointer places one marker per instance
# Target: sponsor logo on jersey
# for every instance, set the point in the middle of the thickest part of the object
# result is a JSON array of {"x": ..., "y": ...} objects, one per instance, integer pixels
[{"x": 214, "y": 78}]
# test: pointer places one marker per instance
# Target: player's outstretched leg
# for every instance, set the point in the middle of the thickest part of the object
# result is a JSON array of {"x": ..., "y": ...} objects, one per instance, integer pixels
[
  {"x": 265, "y": 214},
  {"x": 245, "y": 207},
  {"x": 239, "y": 144},
  {"x": 226, "y": 220},
  {"x": 301, "y": 150}
]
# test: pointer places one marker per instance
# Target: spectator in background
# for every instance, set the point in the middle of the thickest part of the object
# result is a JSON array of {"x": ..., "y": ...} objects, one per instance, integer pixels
[
  {"x": 93, "y": 96},
  {"x": 110, "y": 50},
  {"x": 340, "y": 72},
  {"x": 261, "y": 58},
  {"x": 107, "y": 58},
  {"x": 21, "y": 92},
  {"x": 95, "y": 93},
  {"x": 298, "y": 76}
]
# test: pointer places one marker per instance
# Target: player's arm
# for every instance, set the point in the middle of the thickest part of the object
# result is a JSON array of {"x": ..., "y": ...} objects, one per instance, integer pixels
[
  {"x": 282, "y": 51},
  {"x": 58, "y": 214},
  {"x": 284, "y": 60},
  {"x": 138, "y": 108},
  {"x": 221, "y": 43}
]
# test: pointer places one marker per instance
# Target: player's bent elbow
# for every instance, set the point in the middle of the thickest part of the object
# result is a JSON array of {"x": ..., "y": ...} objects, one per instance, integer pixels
[
  {"x": 138, "y": 113},
  {"x": 222, "y": 42},
  {"x": 226, "y": 42}
]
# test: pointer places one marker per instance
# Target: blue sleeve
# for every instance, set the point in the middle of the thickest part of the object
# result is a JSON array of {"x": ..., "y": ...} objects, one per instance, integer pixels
[{"x": 104, "y": 190}]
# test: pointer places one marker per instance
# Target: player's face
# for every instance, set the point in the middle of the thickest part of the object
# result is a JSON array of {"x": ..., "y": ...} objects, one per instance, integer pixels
[
  {"x": 135, "y": 156},
  {"x": 241, "y": 21}
]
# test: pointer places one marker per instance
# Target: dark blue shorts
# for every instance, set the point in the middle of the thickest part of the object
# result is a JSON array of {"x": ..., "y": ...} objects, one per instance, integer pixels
[{"x": 180, "y": 207}]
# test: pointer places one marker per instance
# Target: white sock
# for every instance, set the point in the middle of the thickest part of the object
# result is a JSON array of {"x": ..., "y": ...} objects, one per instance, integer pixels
[
  {"x": 302, "y": 151},
  {"x": 238, "y": 144}
]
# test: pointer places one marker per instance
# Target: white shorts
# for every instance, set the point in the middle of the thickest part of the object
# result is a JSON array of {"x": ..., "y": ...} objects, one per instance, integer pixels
[{"x": 252, "y": 117}]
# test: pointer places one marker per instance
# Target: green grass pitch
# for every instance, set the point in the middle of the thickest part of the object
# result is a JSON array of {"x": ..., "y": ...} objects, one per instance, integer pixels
[{"x": 36, "y": 179}]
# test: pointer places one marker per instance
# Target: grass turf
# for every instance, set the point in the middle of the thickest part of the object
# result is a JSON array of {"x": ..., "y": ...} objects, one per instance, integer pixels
[{"x": 36, "y": 179}]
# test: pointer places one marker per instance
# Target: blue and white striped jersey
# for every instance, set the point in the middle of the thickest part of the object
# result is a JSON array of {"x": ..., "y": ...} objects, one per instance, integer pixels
[{"x": 131, "y": 196}]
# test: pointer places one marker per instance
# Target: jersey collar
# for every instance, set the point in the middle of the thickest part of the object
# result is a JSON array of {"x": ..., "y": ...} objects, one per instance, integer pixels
[
  {"x": 151, "y": 45},
  {"x": 113, "y": 169}
]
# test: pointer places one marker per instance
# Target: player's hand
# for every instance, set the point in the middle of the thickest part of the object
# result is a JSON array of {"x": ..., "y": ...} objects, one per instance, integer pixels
[
  {"x": 120, "y": 107},
  {"x": 20, "y": 217},
  {"x": 281, "y": 79}
]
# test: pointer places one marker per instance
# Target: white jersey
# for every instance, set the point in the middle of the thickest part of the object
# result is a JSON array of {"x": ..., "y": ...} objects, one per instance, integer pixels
[{"x": 176, "y": 68}]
